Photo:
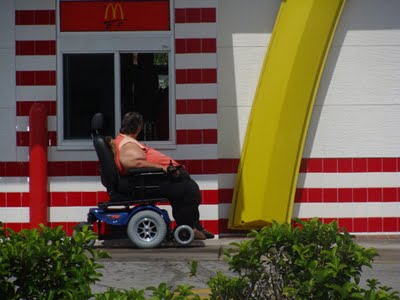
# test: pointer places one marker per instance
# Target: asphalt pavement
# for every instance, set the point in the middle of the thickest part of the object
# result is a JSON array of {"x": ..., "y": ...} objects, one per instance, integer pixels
[{"x": 140, "y": 268}]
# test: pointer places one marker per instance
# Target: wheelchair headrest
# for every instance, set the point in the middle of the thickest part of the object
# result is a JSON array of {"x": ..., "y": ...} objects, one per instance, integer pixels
[{"x": 97, "y": 122}]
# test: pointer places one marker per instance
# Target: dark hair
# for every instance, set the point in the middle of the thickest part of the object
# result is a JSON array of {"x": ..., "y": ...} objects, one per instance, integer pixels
[{"x": 131, "y": 123}]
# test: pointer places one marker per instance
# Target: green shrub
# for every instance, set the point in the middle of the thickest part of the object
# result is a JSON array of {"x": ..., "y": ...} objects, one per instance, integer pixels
[
  {"x": 46, "y": 264},
  {"x": 310, "y": 260},
  {"x": 162, "y": 292},
  {"x": 2, "y": 232}
]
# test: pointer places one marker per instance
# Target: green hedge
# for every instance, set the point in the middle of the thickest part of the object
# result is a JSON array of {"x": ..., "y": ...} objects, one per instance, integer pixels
[{"x": 310, "y": 260}]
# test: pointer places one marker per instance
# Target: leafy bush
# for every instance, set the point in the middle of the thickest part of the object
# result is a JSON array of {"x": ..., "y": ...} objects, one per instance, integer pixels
[
  {"x": 308, "y": 261},
  {"x": 162, "y": 292},
  {"x": 45, "y": 264}
]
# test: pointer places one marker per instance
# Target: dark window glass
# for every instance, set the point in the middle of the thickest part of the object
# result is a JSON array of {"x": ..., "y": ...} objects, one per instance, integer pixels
[
  {"x": 88, "y": 89},
  {"x": 144, "y": 88}
]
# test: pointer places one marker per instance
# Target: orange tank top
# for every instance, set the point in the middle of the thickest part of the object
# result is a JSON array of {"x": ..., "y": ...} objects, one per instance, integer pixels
[{"x": 152, "y": 155}]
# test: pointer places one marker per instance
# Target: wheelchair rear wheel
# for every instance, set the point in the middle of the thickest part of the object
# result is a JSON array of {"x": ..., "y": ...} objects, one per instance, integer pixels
[{"x": 147, "y": 229}]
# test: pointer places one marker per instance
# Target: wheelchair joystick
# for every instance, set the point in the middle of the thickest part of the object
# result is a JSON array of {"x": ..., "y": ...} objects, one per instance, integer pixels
[{"x": 172, "y": 170}]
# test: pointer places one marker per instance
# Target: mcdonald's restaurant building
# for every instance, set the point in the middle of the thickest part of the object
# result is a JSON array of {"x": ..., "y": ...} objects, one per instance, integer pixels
[{"x": 191, "y": 67}]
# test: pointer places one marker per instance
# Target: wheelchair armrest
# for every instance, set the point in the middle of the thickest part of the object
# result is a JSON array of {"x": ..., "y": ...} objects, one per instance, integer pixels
[{"x": 138, "y": 171}]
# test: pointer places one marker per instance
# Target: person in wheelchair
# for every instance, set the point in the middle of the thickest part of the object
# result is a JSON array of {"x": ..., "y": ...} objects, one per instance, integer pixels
[{"x": 179, "y": 188}]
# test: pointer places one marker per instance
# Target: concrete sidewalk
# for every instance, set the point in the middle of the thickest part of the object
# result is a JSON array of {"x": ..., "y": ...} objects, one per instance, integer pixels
[{"x": 141, "y": 268}]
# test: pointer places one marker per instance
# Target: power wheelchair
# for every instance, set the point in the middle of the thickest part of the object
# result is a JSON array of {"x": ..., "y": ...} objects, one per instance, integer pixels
[{"x": 131, "y": 211}]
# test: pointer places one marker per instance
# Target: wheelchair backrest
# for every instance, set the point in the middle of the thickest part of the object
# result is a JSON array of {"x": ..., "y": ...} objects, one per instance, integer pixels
[{"x": 108, "y": 168}]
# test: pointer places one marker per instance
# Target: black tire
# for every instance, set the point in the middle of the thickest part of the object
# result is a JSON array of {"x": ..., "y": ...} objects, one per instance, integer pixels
[
  {"x": 184, "y": 235},
  {"x": 147, "y": 229},
  {"x": 79, "y": 227}
]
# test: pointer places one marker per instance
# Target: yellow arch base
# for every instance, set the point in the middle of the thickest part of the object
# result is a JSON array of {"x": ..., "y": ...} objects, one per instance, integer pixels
[{"x": 268, "y": 170}]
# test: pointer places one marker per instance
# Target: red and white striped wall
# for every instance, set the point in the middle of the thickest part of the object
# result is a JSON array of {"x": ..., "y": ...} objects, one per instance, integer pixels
[
  {"x": 74, "y": 184},
  {"x": 351, "y": 165}
]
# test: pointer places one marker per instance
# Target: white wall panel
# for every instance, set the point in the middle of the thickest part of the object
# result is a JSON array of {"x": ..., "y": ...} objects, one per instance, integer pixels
[
  {"x": 36, "y": 93},
  {"x": 7, "y": 81},
  {"x": 79, "y": 213},
  {"x": 14, "y": 184},
  {"x": 14, "y": 215},
  {"x": 7, "y": 78},
  {"x": 35, "y": 33},
  {"x": 195, "y": 30},
  {"x": 331, "y": 180},
  {"x": 204, "y": 151},
  {"x": 93, "y": 184},
  {"x": 348, "y": 180},
  {"x": 354, "y": 131},
  {"x": 369, "y": 22},
  {"x": 246, "y": 23},
  {"x": 226, "y": 181},
  {"x": 56, "y": 155},
  {"x": 23, "y": 123},
  {"x": 200, "y": 121},
  {"x": 195, "y": 4},
  {"x": 238, "y": 72},
  {"x": 196, "y": 61},
  {"x": 36, "y": 63},
  {"x": 7, "y": 134},
  {"x": 232, "y": 124},
  {"x": 361, "y": 76},
  {"x": 35, "y": 4},
  {"x": 346, "y": 210},
  {"x": 7, "y": 21},
  {"x": 196, "y": 91}
]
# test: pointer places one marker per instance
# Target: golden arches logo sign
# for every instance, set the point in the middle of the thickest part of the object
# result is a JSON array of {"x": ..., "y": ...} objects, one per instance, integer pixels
[{"x": 113, "y": 15}]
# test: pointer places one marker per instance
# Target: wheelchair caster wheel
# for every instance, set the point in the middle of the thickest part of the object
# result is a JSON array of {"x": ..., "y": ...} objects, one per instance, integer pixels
[{"x": 184, "y": 235}]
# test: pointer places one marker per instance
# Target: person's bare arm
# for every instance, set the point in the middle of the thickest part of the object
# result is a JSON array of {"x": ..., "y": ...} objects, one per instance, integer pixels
[{"x": 132, "y": 156}]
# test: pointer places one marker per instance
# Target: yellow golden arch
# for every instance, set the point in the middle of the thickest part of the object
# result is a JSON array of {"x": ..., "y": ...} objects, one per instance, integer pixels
[{"x": 113, "y": 7}]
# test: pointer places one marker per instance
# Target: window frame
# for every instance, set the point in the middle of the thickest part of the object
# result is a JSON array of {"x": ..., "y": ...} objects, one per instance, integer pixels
[{"x": 115, "y": 42}]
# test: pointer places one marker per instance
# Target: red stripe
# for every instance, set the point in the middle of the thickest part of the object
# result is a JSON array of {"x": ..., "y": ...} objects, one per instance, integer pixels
[
  {"x": 206, "y": 45},
  {"x": 79, "y": 198},
  {"x": 343, "y": 195},
  {"x": 350, "y": 165},
  {"x": 36, "y": 78},
  {"x": 225, "y": 195},
  {"x": 196, "y": 136},
  {"x": 195, "y": 15},
  {"x": 14, "y": 169},
  {"x": 35, "y": 17},
  {"x": 196, "y": 76},
  {"x": 215, "y": 166},
  {"x": 196, "y": 106},
  {"x": 23, "y": 138},
  {"x": 35, "y": 47},
  {"x": 91, "y": 168},
  {"x": 23, "y": 107}
]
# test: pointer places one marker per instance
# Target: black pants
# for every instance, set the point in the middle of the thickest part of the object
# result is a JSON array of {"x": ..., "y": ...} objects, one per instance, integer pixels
[{"x": 184, "y": 196}]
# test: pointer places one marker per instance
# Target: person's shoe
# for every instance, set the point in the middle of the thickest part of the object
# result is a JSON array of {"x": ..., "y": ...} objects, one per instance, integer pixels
[
  {"x": 207, "y": 234},
  {"x": 198, "y": 235}
]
